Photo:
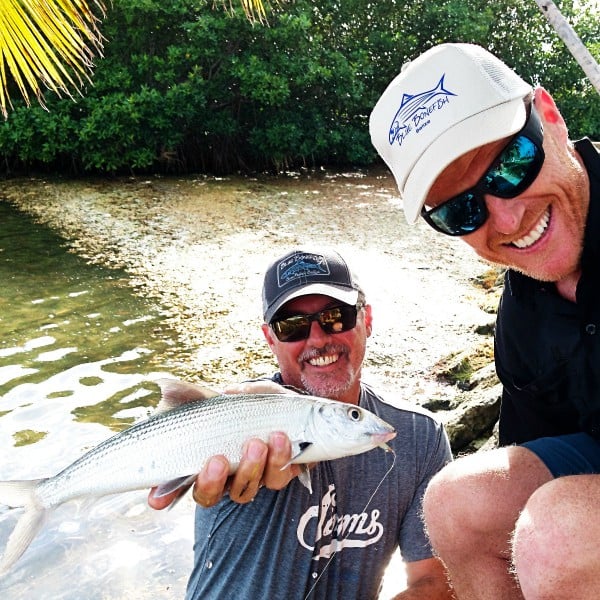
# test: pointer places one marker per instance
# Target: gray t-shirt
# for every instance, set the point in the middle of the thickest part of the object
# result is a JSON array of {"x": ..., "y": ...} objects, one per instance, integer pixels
[{"x": 333, "y": 543}]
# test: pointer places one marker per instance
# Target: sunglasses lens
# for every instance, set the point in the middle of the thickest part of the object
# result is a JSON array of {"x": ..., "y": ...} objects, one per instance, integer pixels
[
  {"x": 337, "y": 320},
  {"x": 516, "y": 169},
  {"x": 460, "y": 215},
  {"x": 292, "y": 329}
]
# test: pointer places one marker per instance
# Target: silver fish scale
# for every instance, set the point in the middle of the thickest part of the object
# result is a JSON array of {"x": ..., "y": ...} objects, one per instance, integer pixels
[{"x": 177, "y": 443}]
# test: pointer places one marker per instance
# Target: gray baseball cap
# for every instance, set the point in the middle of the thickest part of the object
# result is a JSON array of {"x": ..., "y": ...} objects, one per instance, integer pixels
[{"x": 307, "y": 271}]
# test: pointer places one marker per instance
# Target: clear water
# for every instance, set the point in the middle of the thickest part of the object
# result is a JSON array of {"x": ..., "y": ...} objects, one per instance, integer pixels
[{"x": 79, "y": 349}]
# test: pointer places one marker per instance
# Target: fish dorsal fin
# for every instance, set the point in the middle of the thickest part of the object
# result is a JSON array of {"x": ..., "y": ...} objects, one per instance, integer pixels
[{"x": 177, "y": 393}]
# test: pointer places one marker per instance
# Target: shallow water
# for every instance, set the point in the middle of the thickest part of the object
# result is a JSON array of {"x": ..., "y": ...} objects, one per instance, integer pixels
[
  {"x": 78, "y": 352},
  {"x": 81, "y": 343}
]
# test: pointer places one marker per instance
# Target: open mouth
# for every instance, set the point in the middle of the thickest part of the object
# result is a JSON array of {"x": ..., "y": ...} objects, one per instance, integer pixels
[
  {"x": 535, "y": 234},
  {"x": 322, "y": 361}
]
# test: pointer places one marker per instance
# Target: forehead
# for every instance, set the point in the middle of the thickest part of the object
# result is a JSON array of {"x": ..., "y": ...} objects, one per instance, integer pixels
[
  {"x": 463, "y": 173},
  {"x": 308, "y": 303}
]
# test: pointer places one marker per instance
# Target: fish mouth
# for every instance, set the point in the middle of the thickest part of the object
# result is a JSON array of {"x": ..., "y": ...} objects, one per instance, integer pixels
[
  {"x": 381, "y": 438},
  {"x": 535, "y": 234}
]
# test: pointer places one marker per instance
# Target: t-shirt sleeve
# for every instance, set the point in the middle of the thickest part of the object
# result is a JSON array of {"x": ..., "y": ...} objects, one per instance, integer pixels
[{"x": 432, "y": 452}]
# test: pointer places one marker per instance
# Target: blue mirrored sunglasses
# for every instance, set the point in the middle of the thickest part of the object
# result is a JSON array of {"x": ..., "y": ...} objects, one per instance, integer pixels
[{"x": 511, "y": 173}]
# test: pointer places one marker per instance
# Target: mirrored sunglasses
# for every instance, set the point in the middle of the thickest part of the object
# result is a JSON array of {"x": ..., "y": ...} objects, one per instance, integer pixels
[
  {"x": 511, "y": 173},
  {"x": 336, "y": 319}
]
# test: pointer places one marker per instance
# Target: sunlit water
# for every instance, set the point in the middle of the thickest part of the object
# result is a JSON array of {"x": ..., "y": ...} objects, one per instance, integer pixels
[
  {"x": 78, "y": 353},
  {"x": 81, "y": 345}
]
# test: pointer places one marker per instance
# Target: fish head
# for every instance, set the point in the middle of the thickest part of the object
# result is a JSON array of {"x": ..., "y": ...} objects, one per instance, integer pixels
[{"x": 340, "y": 429}]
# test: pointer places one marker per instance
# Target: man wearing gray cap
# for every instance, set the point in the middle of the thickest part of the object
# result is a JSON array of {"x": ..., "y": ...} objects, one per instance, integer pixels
[
  {"x": 336, "y": 541},
  {"x": 478, "y": 153}
]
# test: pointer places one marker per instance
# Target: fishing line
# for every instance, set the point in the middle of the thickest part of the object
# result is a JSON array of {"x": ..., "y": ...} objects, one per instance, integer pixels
[{"x": 314, "y": 585}]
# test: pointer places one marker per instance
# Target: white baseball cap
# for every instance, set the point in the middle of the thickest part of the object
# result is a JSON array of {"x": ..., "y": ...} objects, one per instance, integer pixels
[{"x": 448, "y": 101}]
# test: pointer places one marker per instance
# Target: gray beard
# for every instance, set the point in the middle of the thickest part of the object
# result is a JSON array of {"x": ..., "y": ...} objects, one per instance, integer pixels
[{"x": 325, "y": 387}]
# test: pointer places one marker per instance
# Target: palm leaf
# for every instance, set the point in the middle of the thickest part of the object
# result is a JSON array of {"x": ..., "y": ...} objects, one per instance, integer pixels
[
  {"x": 46, "y": 44},
  {"x": 51, "y": 44}
]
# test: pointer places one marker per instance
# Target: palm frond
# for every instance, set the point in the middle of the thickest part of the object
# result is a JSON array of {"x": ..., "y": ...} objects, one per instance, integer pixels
[
  {"x": 47, "y": 44},
  {"x": 51, "y": 44},
  {"x": 255, "y": 10}
]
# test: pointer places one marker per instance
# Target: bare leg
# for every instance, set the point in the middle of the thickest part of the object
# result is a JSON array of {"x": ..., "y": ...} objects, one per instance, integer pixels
[
  {"x": 470, "y": 509},
  {"x": 557, "y": 540}
]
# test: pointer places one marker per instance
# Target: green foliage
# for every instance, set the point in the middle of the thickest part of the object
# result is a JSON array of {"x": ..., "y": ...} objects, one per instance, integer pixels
[{"x": 185, "y": 86}]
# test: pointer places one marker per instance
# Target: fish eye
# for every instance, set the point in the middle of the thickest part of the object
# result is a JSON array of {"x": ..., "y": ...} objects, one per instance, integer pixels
[{"x": 354, "y": 413}]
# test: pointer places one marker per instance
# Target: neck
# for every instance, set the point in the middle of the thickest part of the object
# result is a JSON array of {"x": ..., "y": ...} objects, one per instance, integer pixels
[{"x": 567, "y": 287}]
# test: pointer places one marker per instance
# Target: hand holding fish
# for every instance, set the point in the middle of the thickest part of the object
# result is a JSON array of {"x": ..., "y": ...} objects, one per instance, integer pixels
[{"x": 261, "y": 464}]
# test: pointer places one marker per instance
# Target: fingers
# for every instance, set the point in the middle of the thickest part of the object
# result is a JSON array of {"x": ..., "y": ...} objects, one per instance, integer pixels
[
  {"x": 248, "y": 477},
  {"x": 163, "y": 501},
  {"x": 277, "y": 475},
  {"x": 211, "y": 482},
  {"x": 261, "y": 464}
]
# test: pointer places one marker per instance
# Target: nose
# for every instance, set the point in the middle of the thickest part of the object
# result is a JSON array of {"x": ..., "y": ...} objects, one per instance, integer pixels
[
  {"x": 505, "y": 215},
  {"x": 316, "y": 331}
]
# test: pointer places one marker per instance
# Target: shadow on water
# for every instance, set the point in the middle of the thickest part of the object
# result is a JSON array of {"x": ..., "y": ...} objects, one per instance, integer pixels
[{"x": 78, "y": 352}]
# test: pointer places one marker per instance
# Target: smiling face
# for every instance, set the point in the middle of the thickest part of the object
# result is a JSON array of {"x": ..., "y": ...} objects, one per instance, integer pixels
[
  {"x": 540, "y": 232},
  {"x": 327, "y": 365}
]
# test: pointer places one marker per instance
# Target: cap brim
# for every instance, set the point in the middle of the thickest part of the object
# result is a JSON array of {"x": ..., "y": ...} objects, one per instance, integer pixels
[
  {"x": 483, "y": 128},
  {"x": 345, "y": 295}
]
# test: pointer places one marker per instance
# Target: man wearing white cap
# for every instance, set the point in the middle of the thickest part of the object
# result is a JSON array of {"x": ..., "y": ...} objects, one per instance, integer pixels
[{"x": 478, "y": 153}]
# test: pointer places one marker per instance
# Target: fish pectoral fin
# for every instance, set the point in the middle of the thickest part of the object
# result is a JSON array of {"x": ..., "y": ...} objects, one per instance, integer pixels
[
  {"x": 304, "y": 477},
  {"x": 176, "y": 393},
  {"x": 181, "y": 483},
  {"x": 298, "y": 449}
]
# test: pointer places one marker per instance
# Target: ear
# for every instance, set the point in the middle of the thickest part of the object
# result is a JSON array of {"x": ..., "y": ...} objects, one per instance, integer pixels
[
  {"x": 549, "y": 113},
  {"x": 368, "y": 319},
  {"x": 269, "y": 335}
]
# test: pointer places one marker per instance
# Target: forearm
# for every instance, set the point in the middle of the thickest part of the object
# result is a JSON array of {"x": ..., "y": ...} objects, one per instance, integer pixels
[{"x": 427, "y": 588}]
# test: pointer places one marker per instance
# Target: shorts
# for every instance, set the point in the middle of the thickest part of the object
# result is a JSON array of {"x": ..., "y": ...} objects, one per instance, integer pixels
[{"x": 573, "y": 454}]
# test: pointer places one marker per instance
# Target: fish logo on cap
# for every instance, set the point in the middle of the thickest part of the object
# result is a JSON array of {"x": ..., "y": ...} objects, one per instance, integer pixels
[
  {"x": 414, "y": 108},
  {"x": 301, "y": 266}
]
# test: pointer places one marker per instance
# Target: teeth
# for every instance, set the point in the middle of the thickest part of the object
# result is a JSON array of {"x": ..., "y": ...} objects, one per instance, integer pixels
[
  {"x": 322, "y": 361},
  {"x": 535, "y": 234}
]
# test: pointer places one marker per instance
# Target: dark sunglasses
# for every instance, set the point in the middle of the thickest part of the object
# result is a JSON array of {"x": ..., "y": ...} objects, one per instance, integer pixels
[
  {"x": 511, "y": 173},
  {"x": 336, "y": 319}
]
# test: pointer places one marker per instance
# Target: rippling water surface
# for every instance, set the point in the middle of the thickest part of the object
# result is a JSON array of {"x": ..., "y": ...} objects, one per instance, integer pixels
[
  {"x": 79, "y": 350},
  {"x": 81, "y": 345}
]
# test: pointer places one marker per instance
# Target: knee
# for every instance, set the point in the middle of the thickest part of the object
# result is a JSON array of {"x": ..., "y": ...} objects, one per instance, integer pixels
[
  {"x": 452, "y": 504},
  {"x": 439, "y": 497},
  {"x": 549, "y": 543},
  {"x": 533, "y": 530}
]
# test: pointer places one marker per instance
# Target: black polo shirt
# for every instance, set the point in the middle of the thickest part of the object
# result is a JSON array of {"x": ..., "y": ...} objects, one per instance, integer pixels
[{"x": 547, "y": 349}]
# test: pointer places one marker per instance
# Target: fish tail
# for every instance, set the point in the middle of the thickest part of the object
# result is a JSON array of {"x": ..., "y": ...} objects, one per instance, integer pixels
[{"x": 21, "y": 494}]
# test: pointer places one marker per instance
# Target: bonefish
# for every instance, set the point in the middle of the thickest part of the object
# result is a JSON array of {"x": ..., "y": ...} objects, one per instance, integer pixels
[{"x": 168, "y": 449}]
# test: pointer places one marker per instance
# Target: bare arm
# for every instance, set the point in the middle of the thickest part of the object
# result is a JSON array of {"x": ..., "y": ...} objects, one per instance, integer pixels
[{"x": 426, "y": 580}]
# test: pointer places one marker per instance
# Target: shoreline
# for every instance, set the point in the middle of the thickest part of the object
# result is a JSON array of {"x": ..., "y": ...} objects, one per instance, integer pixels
[{"x": 199, "y": 246}]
